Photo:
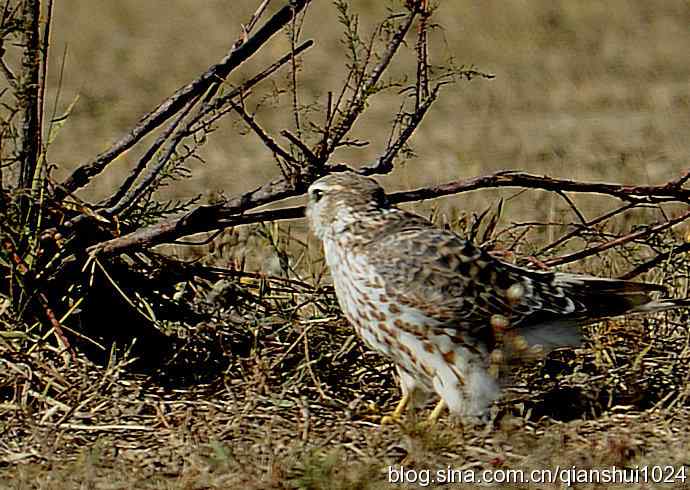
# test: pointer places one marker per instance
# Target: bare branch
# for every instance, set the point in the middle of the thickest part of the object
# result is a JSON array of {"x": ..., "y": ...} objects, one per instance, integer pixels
[
  {"x": 422, "y": 48},
  {"x": 572, "y": 205},
  {"x": 208, "y": 110},
  {"x": 359, "y": 100},
  {"x": 45, "y": 47},
  {"x": 628, "y": 193},
  {"x": 6, "y": 70},
  {"x": 28, "y": 93},
  {"x": 650, "y": 264},
  {"x": 680, "y": 180},
  {"x": 244, "y": 89},
  {"x": 124, "y": 195},
  {"x": 237, "y": 55},
  {"x": 649, "y": 230},
  {"x": 384, "y": 164},
  {"x": 306, "y": 151},
  {"x": 255, "y": 18},
  {"x": 589, "y": 224},
  {"x": 294, "y": 36},
  {"x": 133, "y": 195},
  {"x": 211, "y": 217},
  {"x": 265, "y": 137},
  {"x": 201, "y": 219}
]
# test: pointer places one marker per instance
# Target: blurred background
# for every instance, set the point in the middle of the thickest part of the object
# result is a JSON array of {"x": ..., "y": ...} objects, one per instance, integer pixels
[{"x": 585, "y": 90}]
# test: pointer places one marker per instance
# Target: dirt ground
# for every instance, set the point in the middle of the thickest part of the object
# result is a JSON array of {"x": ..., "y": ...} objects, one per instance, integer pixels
[{"x": 277, "y": 392}]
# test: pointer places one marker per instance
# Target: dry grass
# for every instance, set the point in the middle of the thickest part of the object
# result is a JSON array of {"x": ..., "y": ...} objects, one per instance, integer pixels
[
  {"x": 290, "y": 398},
  {"x": 298, "y": 402}
]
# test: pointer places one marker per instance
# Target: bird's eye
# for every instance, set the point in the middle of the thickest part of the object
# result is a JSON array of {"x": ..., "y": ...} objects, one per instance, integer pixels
[{"x": 316, "y": 195}]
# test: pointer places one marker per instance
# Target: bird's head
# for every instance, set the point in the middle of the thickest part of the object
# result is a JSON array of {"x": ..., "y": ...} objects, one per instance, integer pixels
[{"x": 340, "y": 199}]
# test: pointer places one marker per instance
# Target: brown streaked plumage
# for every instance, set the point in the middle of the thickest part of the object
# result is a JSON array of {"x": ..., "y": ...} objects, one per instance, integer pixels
[{"x": 439, "y": 306}]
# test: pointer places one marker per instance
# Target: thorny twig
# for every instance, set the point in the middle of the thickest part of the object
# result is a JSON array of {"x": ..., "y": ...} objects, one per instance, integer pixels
[
  {"x": 206, "y": 115},
  {"x": 237, "y": 55},
  {"x": 589, "y": 224},
  {"x": 210, "y": 111},
  {"x": 206, "y": 218},
  {"x": 356, "y": 104}
]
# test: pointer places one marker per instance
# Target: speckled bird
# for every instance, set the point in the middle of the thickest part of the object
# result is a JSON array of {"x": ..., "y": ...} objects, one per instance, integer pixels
[{"x": 441, "y": 308}]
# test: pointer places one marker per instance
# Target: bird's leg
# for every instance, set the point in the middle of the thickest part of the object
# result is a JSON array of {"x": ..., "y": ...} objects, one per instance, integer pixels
[
  {"x": 436, "y": 413},
  {"x": 397, "y": 413}
]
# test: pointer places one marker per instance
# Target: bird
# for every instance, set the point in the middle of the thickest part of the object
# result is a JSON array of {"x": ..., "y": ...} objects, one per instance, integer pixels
[{"x": 441, "y": 308}]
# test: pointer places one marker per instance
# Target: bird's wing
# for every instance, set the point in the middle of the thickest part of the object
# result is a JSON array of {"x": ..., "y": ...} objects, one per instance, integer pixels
[
  {"x": 435, "y": 269},
  {"x": 456, "y": 282}
]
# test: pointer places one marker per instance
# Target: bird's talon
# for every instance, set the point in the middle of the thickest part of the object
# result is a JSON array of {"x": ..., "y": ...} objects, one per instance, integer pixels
[
  {"x": 390, "y": 420},
  {"x": 436, "y": 413},
  {"x": 397, "y": 415}
]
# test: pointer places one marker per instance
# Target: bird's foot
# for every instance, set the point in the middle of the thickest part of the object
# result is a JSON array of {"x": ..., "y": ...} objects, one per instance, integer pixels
[
  {"x": 436, "y": 413},
  {"x": 397, "y": 415},
  {"x": 391, "y": 419}
]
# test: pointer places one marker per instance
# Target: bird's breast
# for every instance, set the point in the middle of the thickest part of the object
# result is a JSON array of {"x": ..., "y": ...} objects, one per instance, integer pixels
[{"x": 379, "y": 318}]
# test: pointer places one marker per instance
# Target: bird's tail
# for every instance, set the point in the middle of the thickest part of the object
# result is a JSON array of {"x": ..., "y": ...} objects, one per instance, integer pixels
[
  {"x": 603, "y": 298},
  {"x": 595, "y": 298}
]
